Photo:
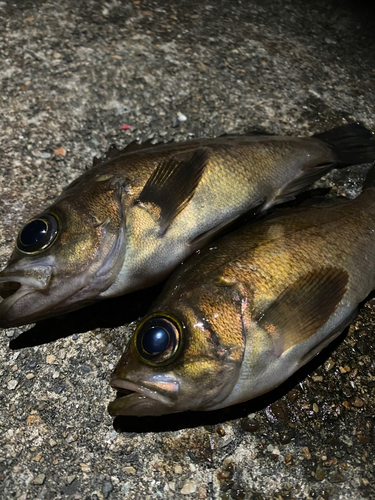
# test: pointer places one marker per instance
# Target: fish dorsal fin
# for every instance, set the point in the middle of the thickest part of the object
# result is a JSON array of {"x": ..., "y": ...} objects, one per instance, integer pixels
[
  {"x": 304, "y": 178},
  {"x": 173, "y": 183},
  {"x": 139, "y": 146},
  {"x": 255, "y": 132},
  {"x": 304, "y": 307},
  {"x": 113, "y": 150}
]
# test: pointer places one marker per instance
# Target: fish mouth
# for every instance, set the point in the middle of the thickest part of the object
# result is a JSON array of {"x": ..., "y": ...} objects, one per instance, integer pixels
[
  {"x": 14, "y": 287},
  {"x": 138, "y": 400}
]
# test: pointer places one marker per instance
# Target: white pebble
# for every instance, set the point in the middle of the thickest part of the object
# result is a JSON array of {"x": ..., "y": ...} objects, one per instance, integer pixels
[
  {"x": 188, "y": 488},
  {"x": 12, "y": 384},
  {"x": 181, "y": 117}
]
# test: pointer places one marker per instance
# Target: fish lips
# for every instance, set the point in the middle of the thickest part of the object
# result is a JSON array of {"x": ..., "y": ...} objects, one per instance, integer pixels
[
  {"x": 151, "y": 398},
  {"x": 15, "y": 286}
]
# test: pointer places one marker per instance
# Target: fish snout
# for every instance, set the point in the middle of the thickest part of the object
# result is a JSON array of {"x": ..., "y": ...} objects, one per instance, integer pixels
[
  {"x": 141, "y": 390},
  {"x": 15, "y": 285}
]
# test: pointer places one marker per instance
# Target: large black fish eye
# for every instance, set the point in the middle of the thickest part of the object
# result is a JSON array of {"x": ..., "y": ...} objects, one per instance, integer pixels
[
  {"x": 38, "y": 234},
  {"x": 158, "y": 339}
]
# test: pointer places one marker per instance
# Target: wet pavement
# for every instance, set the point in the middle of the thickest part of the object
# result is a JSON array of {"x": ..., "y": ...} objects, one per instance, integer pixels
[{"x": 74, "y": 77}]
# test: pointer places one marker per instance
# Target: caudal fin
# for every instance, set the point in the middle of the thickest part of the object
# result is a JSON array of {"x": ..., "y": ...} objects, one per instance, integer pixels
[{"x": 352, "y": 144}]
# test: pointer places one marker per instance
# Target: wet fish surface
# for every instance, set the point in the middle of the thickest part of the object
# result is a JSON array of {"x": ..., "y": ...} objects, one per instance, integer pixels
[
  {"x": 126, "y": 223},
  {"x": 241, "y": 316}
]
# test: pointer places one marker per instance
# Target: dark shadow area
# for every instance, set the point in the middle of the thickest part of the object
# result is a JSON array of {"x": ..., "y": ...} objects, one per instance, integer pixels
[
  {"x": 108, "y": 313},
  {"x": 191, "y": 419},
  {"x": 363, "y": 12}
]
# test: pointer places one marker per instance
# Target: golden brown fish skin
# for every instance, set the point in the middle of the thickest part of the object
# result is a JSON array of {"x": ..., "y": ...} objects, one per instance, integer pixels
[
  {"x": 136, "y": 215},
  {"x": 256, "y": 306}
]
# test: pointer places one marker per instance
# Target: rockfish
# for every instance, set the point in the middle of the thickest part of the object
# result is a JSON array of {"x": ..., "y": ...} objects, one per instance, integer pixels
[{"x": 241, "y": 316}]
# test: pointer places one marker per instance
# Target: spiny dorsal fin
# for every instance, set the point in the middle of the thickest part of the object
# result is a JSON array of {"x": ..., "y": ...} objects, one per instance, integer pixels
[
  {"x": 258, "y": 131},
  {"x": 113, "y": 151},
  {"x": 139, "y": 146},
  {"x": 304, "y": 307},
  {"x": 173, "y": 183}
]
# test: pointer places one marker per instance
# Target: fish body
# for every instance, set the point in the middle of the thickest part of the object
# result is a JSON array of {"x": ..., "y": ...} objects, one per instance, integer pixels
[
  {"x": 250, "y": 310},
  {"x": 126, "y": 223}
]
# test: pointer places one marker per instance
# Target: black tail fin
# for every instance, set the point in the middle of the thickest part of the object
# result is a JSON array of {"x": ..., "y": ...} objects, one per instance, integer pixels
[{"x": 353, "y": 144}]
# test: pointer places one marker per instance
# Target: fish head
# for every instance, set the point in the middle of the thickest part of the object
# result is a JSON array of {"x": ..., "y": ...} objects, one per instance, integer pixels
[
  {"x": 180, "y": 358},
  {"x": 63, "y": 257}
]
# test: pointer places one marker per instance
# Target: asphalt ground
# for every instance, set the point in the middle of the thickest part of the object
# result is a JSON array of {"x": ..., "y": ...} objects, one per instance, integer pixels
[{"x": 72, "y": 75}]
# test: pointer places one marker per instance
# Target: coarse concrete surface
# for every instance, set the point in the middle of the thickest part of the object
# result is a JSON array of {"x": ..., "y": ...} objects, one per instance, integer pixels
[{"x": 72, "y": 74}]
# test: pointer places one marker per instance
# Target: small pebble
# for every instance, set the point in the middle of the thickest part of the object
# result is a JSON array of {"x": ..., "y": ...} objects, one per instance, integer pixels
[
  {"x": 329, "y": 365},
  {"x": 40, "y": 154},
  {"x": 50, "y": 358},
  {"x": 224, "y": 475},
  {"x": 250, "y": 425},
  {"x": 181, "y": 117},
  {"x": 178, "y": 469},
  {"x": 202, "y": 492},
  {"x": 37, "y": 457},
  {"x": 285, "y": 438},
  {"x": 293, "y": 395},
  {"x": 12, "y": 384},
  {"x": 39, "y": 479},
  {"x": 189, "y": 488},
  {"x": 107, "y": 488},
  {"x": 60, "y": 151},
  {"x": 279, "y": 410},
  {"x": 357, "y": 402},
  {"x": 30, "y": 376},
  {"x": 320, "y": 473},
  {"x": 129, "y": 470}
]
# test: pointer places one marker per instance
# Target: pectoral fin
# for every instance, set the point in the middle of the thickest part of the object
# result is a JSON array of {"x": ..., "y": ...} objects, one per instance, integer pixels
[
  {"x": 172, "y": 185},
  {"x": 304, "y": 307}
]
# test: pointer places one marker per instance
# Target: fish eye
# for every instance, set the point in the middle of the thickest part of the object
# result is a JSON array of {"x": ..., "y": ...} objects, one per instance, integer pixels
[
  {"x": 38, "y": 234},
  {"x": 157, "y": 339}
]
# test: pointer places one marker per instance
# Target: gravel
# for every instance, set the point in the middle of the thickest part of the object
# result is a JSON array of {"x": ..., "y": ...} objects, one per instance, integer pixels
[{"x": 74, "y": 77}]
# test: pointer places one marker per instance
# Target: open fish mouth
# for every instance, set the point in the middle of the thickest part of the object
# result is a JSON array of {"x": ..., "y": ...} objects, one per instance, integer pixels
[
  {"x": 13, "y": 288},
  {"x": 134, "y": 399}
]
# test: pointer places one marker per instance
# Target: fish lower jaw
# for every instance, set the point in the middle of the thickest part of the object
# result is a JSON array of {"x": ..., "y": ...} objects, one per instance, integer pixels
[
  {"x": 13, "y": 288},
  {"x": 136, "y": 399},
  {"x": 8, "y": 301}
]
